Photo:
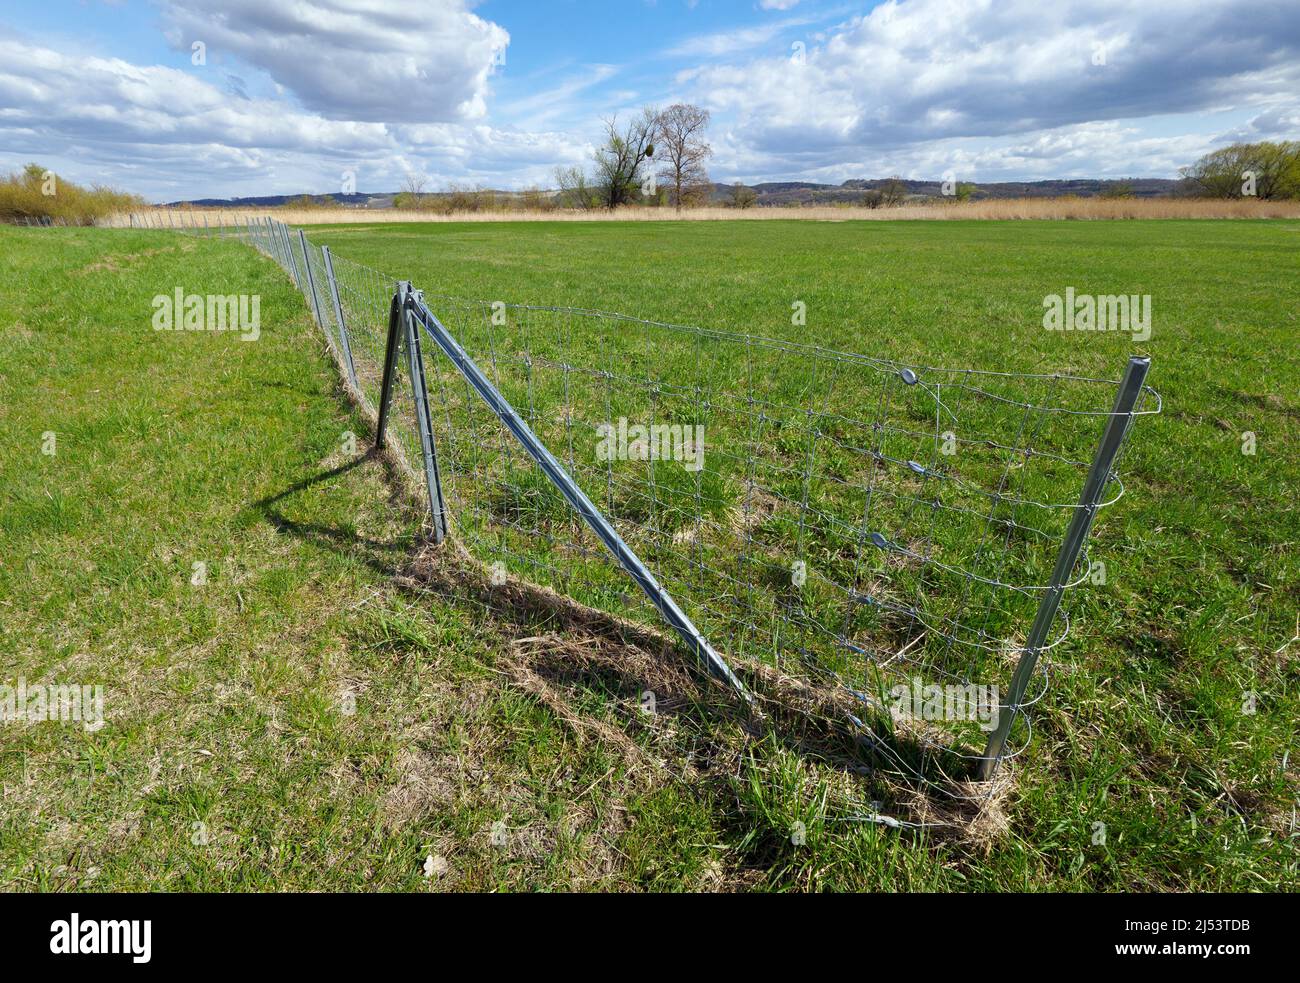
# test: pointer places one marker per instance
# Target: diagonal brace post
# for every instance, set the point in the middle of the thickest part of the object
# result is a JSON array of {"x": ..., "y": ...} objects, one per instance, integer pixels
[
  {"x": 428, "y": 449},
  {"x": 1094, "y": 487},
  {"x": 592, "y": 516}
]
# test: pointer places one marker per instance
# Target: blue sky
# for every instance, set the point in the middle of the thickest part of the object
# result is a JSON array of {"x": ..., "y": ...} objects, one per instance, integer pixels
[{"x": 291, "y": 97}]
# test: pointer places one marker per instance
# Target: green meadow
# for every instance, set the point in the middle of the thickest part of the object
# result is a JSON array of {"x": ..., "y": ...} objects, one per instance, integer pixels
[{"x": 193, "y": 521}]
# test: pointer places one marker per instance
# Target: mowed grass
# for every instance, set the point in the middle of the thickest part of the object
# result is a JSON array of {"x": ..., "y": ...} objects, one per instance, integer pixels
[{"x": 226, "y": 702}]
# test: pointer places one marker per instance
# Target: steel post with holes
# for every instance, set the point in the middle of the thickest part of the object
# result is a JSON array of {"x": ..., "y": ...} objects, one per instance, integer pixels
[
  {"x": 311, "y": 281},
  {"x": 292, "y": 259},
  {"x": 395, "y": 310},
  {"x": 420, "y": 393},
  {"x": 592, "y": 516},
  {"x": 286, "y": 259},
  {"x": 280, "y": 243},
  {"x": 298, "y": 278},
  {"x": 338, "y": 315},
  {"x": 1094, "y": 488}
]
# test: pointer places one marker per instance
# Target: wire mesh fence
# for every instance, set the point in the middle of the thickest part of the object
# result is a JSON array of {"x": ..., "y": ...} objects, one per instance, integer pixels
[{"x": 903, "y": 533}]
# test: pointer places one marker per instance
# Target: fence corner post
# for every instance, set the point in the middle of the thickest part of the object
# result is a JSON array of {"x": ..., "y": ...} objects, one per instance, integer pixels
[{"x": 395, "y": 310}]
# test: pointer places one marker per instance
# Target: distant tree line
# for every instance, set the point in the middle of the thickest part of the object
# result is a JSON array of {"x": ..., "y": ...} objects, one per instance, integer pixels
[
  {"x": 1244, "y": 170},
  {"x": 659, "y": 159},
  {"x": 460, "y": 198}
]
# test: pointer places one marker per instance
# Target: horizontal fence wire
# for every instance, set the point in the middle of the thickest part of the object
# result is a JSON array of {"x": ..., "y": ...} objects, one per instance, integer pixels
[{"x": 883, "y": 528}]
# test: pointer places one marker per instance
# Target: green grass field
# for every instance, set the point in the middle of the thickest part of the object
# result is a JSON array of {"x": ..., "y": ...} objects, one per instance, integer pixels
[{"x": 227, "y": 702}]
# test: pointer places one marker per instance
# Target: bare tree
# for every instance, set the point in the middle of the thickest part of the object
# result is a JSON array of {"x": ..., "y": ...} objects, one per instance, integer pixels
[
  {"x": 619, "y": 162},
  {"x": 412, "y": 193},
  {"x": 683, "y": 150},
  {"x": 574, "y": 191},
  {"x": 742, "y": 196},
  {"x": 697, "y": 188},
  {"x": 892, "y": 191}
]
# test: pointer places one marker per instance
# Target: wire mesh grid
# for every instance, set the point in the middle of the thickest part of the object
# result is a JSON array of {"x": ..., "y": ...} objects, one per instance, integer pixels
[{"x": 885, "y": 528}]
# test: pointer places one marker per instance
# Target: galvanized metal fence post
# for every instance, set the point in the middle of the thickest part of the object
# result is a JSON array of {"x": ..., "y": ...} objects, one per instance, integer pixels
[
  {"x": 395, "y": 310},
  {"x": 272, "y": 241},
  {"x": 338, "y": 315},
  {"x": 311, "y": 280},
  {"x": 420, "y": 392},
  {"x": 282, "y": 245},
  {"x": 291, "y": 261},
  {"x": 1094, "y": 487}
]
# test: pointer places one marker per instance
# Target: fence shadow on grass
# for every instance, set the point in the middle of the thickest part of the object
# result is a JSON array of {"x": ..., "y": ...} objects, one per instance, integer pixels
[
  {"x": 381, "y": 556},
  {"x": 573, "y": 656},
  {"x": 580, "y": 653}
]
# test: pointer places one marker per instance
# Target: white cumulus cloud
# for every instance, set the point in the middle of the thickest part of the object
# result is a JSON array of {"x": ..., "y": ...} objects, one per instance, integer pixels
[{"x": 374, "y": 60}]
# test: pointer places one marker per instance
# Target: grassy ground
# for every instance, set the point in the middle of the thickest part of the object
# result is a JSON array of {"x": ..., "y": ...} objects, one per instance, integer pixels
[{"x": 226, "y": 702}]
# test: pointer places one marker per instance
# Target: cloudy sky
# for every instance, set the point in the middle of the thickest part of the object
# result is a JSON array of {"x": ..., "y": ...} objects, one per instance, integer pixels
[{"x": 179, "y": 99}]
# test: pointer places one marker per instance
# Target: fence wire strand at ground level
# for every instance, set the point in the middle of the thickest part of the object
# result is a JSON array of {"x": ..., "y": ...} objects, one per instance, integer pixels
[{"x": 885, "y": 528}]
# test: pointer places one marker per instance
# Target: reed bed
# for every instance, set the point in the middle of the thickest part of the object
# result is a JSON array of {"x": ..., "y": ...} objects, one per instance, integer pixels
[{"x": 1082, "y": 209}]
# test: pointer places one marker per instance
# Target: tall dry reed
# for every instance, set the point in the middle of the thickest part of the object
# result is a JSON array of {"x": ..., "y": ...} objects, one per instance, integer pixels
[{"x": 1006, "y": 208}]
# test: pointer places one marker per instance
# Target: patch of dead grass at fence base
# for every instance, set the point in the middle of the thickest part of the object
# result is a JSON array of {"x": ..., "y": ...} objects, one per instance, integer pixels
[{"x": 699, "y": 730}]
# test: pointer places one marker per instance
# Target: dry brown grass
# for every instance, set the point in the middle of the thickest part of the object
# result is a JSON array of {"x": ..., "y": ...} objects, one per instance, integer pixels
[
  {"x": 582, "y": 646},
  {"x": 1008, "y": 208}
]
